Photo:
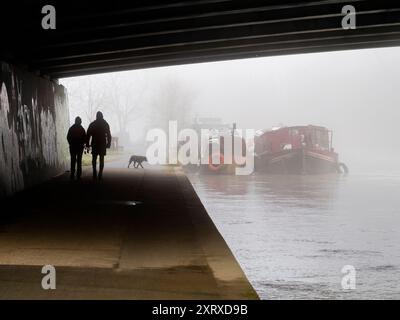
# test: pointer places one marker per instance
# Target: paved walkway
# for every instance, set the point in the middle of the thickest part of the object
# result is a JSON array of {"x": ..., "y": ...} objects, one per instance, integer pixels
[{"x": 138, "y": 234}]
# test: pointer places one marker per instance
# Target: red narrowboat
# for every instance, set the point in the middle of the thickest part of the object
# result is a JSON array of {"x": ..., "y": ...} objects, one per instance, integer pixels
[{"x": 296, "y": 150}]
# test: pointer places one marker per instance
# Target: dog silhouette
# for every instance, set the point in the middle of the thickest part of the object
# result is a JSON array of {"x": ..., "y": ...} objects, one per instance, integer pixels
[{"x": 137, "y": 161}]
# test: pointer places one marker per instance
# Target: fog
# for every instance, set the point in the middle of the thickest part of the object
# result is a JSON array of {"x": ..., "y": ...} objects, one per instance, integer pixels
[{"x": 354, "y": 93}]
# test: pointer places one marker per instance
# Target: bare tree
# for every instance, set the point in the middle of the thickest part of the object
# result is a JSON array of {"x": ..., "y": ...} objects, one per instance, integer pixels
[
  {"x": 173, "y": 102},
  {"x": 125, "y": 100},
  {"x": 86, "y": 96}
]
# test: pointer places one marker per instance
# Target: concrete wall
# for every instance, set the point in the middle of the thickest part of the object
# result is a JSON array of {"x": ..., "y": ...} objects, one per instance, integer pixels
[{"x": 34, "y": 121}]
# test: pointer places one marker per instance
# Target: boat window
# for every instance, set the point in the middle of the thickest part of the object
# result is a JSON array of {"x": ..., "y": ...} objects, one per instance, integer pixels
[{"x": 321, "y": 139}]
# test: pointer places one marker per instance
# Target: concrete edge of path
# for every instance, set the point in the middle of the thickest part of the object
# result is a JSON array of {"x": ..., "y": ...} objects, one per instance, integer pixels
[{"x": 230, "y": 277}]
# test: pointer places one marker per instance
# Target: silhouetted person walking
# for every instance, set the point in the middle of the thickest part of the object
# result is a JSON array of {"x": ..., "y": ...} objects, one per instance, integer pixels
[
  {"x": 76, "y": 138},
  {"x": 99, "y": 131}
]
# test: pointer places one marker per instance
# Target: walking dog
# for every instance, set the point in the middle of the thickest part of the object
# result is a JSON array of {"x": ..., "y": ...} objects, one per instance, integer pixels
[{"x": 137, "y": 161}]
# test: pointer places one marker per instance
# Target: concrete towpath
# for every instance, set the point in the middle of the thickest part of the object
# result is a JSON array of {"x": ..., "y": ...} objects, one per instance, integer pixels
[{"x": 138, "y": 234}]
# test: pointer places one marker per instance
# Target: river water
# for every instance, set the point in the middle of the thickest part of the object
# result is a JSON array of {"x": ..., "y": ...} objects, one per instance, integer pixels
[{"x": 292, "y": 235}]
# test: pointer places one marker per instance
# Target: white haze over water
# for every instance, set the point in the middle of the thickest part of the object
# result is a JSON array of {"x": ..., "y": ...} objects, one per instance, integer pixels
[{"x": 355, "y": 93}]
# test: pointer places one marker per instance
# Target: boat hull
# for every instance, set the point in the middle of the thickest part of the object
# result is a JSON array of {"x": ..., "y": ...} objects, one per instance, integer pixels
[{"x": 298, "y": 162}]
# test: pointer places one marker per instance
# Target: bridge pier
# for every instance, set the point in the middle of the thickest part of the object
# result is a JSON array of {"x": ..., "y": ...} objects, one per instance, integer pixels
[{"x": 33, "y": 123}]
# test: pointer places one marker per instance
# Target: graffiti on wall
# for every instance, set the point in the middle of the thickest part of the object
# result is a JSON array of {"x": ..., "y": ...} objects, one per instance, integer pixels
[
  {"x": 10, "y": 174},
  {"x": 33, "y": 124}
]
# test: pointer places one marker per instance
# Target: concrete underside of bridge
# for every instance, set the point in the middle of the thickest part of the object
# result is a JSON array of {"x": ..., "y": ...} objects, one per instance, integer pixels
[{"x": 121, "y": 35}]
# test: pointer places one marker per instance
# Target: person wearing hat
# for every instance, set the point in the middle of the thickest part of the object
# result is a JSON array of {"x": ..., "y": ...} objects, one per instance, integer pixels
[{"x": 99, "y": 132}]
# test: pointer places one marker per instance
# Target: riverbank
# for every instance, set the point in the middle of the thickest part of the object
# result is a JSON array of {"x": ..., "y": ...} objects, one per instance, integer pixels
[{"x": 138, "y": 234}]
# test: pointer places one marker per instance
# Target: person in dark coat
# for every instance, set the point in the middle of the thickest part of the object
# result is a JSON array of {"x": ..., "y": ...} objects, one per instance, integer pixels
[
  {"x": 76, "y": 138},
  {"x": 99, "y": 131}
]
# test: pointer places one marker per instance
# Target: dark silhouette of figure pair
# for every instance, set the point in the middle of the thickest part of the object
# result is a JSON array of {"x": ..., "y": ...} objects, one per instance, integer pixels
[{"x": 98, "y": 137}]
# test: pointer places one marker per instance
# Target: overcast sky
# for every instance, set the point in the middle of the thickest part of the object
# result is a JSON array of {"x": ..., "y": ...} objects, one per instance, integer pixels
[{"x": 354, "y": 93}]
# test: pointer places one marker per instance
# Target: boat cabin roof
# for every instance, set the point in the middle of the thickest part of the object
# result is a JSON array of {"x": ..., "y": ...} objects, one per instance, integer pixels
[{"x": 279, "y": 129}]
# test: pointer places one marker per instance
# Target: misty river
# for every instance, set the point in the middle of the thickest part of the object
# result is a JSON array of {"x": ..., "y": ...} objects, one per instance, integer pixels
[{"x": 292, "y": 235}]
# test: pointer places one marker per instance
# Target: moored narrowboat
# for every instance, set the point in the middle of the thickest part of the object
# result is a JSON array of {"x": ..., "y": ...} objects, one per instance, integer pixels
[{"x": 296, "y": 150}]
